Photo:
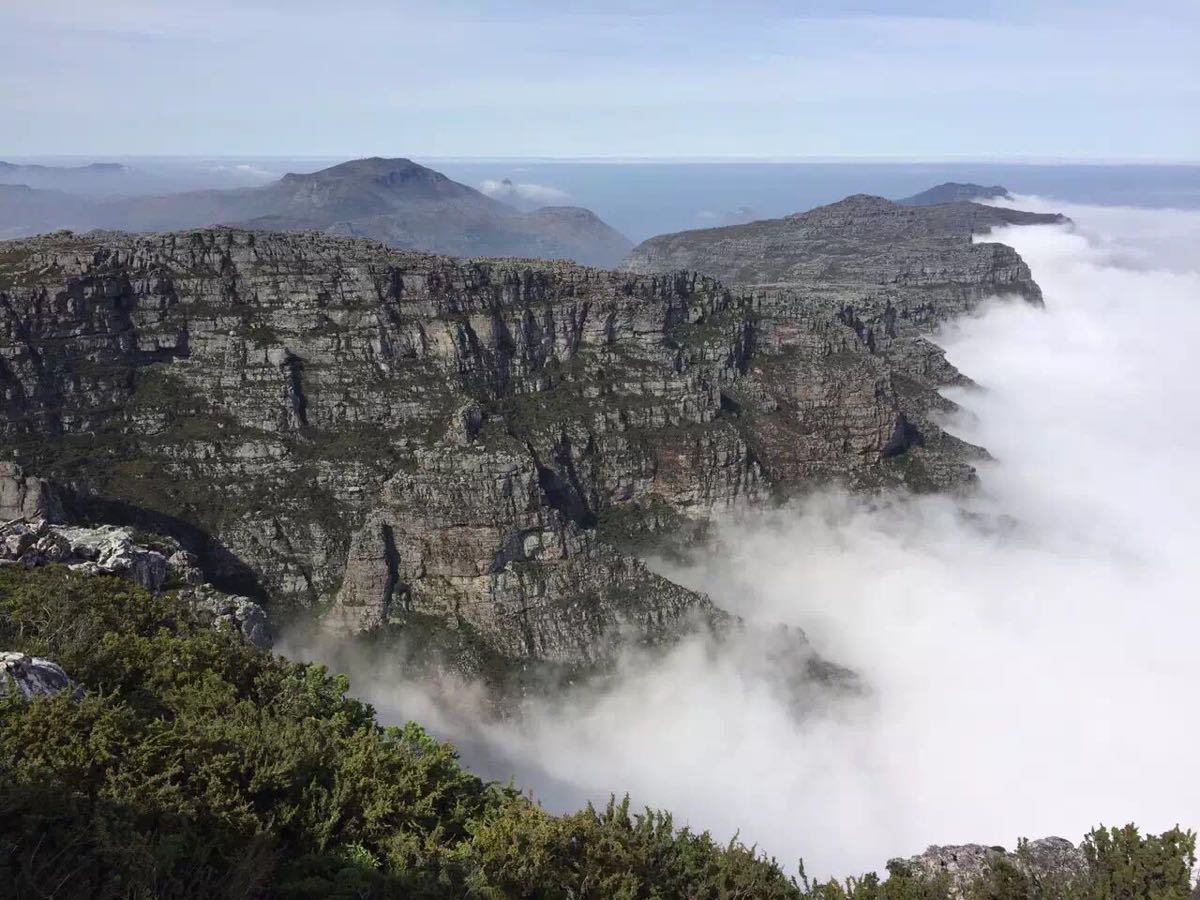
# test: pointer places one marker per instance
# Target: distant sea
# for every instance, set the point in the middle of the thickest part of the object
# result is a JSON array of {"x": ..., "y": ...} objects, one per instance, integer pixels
[
  {"x": 644, "y": 198},
  {"x": 641, "y": 199}
]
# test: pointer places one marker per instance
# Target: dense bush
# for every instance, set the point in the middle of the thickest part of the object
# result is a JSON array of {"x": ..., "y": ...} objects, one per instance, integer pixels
[
  {"x": 195, "y": 765},
  {"x": 198, "y": 766}
]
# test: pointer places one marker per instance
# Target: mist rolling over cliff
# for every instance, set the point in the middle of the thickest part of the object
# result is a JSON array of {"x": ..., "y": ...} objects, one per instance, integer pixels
[
  {"x": 601, "y": 450},
  {"x": 1019, "y": 649}
]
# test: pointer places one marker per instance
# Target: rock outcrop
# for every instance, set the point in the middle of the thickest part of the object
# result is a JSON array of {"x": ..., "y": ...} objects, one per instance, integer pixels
[
  {"x": 388, "y": 437},
  {"x": 956, "y": 192},
  {"x": 862, "y": 240},
  {"x": 1049, "y": 861},
  {"x": 25, "y": 496},
  {"x": 31, "y": 676},
  {"x": 152, "y": 562}
]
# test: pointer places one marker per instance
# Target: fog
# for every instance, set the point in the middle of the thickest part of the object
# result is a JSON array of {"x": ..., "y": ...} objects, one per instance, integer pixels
[
  {"x": 522, "y": 194},
  {"x": 1027, "y": 653}
]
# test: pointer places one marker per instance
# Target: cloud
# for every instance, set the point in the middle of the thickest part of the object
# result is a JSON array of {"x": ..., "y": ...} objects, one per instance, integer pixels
[
  {"x": 524, "y": 194},
  {"x": 1029, "y": 652},
  {"x": 625, "y": 79},
  {"x": 738, "y": 216},
  {"x": 245, "y": 170}
]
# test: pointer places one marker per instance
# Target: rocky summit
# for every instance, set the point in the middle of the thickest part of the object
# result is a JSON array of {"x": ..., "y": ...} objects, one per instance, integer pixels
[
  {"x": 478, "y": 448},
  {"x": 956, "y": 192}
]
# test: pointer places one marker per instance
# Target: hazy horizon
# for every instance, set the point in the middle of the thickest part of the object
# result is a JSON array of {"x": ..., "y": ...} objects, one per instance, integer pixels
[
  {"x": 612, "y": 78},
  {"x": 644, "y": 198}
]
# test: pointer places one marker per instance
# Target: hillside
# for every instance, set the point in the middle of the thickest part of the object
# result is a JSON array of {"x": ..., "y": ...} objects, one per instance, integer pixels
[
  {"x": 171, "y": 759},
  {"x": 956, "y": 192},
  {"x": 392, "y": 200},
  {"x": 859, "y": 239}
]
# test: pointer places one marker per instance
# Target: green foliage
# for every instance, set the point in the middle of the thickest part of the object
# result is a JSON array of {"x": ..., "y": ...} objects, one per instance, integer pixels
[
  {"x": 1120, "y": 864},
  {"x": 195, "y": 765},
  {"x": 1125, "y": 865},
  {"x": 901, "y": 884},
  {"x": 598, "y": 855}
]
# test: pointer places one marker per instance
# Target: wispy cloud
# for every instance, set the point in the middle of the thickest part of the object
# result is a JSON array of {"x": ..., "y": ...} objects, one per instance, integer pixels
[
  {"x": 523, "y": 193},
  {"x": 603, "y": 79}
]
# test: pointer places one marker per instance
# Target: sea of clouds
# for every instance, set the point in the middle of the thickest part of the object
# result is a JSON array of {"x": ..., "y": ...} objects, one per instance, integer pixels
[{"x": 1028, "y": 654}]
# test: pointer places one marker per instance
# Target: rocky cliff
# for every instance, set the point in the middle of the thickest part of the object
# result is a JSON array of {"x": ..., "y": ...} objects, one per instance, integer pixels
[{"x": 470, "y": 446}]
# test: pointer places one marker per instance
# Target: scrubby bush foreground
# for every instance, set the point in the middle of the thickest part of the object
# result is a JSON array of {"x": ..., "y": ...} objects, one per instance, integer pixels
[{"x": 195, "y": 765}]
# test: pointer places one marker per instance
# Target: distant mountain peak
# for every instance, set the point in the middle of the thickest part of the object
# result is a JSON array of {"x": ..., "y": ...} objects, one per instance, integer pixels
[
  {"x": 96, "y": 168},
  {"x": 957, "y": 192},
  {"x": 855, "y": 204},
  {"x": 393, "y": 200},
  {"x": 372, "y": 167}
]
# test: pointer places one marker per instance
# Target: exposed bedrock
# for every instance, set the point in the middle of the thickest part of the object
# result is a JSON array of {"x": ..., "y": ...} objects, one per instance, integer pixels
[{"x": 373, "y": 435}]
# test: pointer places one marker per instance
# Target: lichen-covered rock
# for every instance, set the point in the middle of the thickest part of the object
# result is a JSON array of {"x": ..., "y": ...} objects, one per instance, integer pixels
[
  {"x": 241, "y": 614},
  {"x": 155, "y": 563},
  {"x": 105, "y": 549},
  {"x": 31, "y": 676},
  {"x": 1048, "y": 859}
]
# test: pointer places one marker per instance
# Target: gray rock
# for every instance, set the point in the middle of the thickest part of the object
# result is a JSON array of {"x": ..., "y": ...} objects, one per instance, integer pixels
[
  {"x": 26, "y": 497},
  {"x": 114, "y": 550},
  {"x": 31, "y": 676},
  {"x": 230, "y": 611},
  {"x": 389, "y": 435},
  {"x": 1048, "y": 859}
]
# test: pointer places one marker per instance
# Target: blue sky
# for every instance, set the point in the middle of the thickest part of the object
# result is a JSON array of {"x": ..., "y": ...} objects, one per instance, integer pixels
[{"x": 615, "y": 78}]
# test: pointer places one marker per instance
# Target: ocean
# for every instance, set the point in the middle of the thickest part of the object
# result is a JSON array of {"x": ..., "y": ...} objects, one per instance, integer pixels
[{"x": 641, "y": 199}]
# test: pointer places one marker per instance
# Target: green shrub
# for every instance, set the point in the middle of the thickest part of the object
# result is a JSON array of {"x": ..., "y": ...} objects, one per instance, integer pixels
[
  {"x": 198, "y": 766},
  {"x": 195, "y": 765}
]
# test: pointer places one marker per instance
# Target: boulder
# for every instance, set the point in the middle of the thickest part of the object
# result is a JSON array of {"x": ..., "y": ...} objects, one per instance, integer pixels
[
  {"x": 1051, "y": 858},
  {"x": 23, "y": 496},
  {"x": 31, "y": 676}
]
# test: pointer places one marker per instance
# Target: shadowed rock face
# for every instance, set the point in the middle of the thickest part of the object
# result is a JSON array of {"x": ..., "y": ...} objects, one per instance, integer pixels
[
  {"x": 26, "y": 497},
  {"x": 384, "y": 436},
  {"x": 391, "y": 200}
]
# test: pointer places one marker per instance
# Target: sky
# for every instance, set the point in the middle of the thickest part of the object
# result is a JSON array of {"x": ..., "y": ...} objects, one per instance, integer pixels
[{"x": 612, "y": 78}]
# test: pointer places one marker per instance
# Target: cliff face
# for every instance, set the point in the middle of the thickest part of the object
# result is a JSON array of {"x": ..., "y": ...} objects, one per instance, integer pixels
[{"x": 386, "y": 436}]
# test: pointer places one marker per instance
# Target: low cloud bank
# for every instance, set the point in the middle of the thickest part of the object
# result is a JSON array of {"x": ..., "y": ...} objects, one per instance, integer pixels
[
  {"x": 523, "y": 194},
  {"x": 1029, "y": 653}
]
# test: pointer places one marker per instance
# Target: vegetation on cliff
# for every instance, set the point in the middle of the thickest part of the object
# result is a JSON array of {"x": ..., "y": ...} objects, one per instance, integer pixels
[{"x": 193, "y": 764}]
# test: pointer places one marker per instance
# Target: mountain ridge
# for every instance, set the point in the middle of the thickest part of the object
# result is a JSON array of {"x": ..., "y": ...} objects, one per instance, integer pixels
[
  {"x": 396, "y": 201},
  {"x": 406, "y": 441},
  {"x": 956, "y": 192}
]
